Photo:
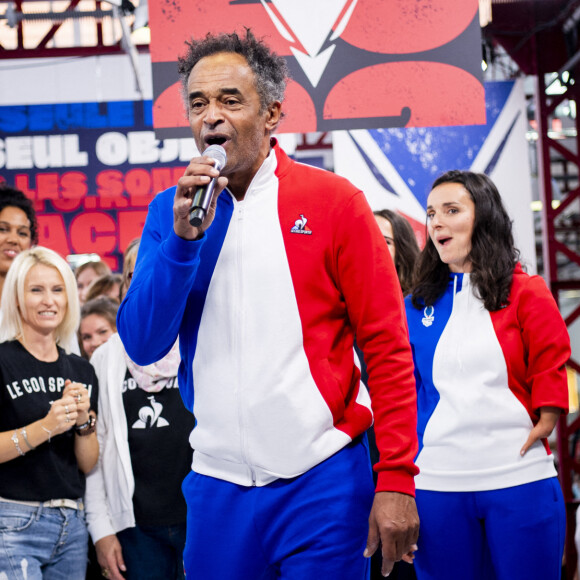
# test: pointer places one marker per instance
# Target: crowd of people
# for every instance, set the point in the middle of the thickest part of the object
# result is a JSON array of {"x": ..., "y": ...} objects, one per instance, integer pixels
[{"x": 244, "y": 401}]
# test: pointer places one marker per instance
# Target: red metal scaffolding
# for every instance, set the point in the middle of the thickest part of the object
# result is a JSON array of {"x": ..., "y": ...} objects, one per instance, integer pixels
[{"x": 553, "y": 246}]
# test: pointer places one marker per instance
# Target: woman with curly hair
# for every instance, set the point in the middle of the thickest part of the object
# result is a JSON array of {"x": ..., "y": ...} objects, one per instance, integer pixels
[
  {"x": 18, "y": 227},
  {"x": 489, "y": 347}
]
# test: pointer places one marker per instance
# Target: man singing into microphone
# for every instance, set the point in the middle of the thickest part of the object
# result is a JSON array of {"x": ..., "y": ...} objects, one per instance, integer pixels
[{"x": 266, "y": 312}]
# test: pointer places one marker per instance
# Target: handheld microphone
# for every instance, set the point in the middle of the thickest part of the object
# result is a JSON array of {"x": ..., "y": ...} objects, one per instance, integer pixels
[{"x": 203, "y": 195}]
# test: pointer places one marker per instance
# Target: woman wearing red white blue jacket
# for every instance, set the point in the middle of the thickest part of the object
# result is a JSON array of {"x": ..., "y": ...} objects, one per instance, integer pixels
[{"x": 489, "y": 347}]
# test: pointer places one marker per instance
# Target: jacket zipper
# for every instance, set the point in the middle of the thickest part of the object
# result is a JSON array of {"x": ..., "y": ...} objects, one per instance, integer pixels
[{"x": 238, "y": 339}]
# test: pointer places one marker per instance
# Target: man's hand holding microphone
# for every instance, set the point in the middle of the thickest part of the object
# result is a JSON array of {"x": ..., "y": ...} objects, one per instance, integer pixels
[{"x": 197, "y": 193}]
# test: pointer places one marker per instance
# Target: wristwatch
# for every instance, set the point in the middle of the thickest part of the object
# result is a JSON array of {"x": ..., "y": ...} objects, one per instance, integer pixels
[{"x": 88, "y": 427}]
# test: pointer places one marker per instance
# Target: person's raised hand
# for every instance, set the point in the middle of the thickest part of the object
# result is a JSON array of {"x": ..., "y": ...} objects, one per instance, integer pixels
[
  {"x": 63, "y": 413},
  {"x": 82, "y": 401},
  {"x": 199, "y": 173}
]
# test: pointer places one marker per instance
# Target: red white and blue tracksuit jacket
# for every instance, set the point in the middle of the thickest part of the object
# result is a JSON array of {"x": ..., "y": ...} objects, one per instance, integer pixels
[
  {"x": 481, "y": 378},
  {"x": 266, "y": 305}
]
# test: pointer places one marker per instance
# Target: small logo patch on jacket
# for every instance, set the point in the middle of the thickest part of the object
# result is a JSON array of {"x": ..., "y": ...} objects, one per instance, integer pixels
[
  {"x": 428, "y": 316},
  {"x": 300, "y": 226}
]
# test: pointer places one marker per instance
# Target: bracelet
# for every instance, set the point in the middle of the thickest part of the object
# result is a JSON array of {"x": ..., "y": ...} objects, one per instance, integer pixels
[
  {"x": 84, "y": 425},
  {"x": 49, "y": 432},
  {"x": 25, "y": 437},
  {"x": 17, "y": 444},
  {"x": 88, "y": 427}
]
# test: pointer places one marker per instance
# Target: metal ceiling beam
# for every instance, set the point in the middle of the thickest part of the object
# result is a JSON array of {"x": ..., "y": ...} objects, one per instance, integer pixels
[{"x": 20, "y": 22}]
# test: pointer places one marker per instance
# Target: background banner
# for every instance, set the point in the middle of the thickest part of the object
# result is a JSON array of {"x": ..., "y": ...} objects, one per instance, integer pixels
[
  {"x": 91, "y": 169},
  {"x": 396, "y": 167},
  {"x": 355, "y": 64}
]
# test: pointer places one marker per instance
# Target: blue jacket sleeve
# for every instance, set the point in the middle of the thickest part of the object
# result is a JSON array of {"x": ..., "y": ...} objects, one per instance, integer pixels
[{"x": 150, "y": 315}]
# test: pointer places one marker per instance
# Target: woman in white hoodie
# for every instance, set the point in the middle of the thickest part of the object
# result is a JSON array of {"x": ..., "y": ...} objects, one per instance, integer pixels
[{"x": 135, "y": 510}]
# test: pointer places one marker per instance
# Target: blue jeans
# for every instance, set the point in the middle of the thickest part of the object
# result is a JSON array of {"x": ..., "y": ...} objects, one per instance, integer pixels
[
  {"x": 40, "y": 543},
  {"x": 153, "y": 552}
]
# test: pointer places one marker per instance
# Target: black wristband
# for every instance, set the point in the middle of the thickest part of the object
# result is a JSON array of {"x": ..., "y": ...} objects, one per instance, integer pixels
[{"x": 88, "y": 427}]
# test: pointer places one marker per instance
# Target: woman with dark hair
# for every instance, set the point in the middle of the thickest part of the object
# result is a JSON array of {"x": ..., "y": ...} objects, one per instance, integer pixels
[
  {"x": 404, "y": 249},
  {"x": 489, "y": 346},
  {"x": 18, "y": 227},
  {"x": 402, "y": 244}
]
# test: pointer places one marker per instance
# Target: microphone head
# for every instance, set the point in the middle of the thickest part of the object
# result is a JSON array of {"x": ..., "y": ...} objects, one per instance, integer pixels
[{"x": 218, "y": 153}]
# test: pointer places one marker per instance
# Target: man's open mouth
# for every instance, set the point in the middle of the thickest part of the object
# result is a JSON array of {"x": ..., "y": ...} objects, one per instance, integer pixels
[{"x": 215, "y": 140}]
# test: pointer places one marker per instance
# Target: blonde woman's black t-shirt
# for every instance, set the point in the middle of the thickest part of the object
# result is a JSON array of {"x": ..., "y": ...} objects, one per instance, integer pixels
[{"x": 28, "y": 386}]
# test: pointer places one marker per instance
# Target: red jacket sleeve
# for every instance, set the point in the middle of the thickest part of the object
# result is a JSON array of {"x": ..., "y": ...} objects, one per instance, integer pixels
[
  {"x": 547, "y": 345},
  {"x": 369, "y": 283}
]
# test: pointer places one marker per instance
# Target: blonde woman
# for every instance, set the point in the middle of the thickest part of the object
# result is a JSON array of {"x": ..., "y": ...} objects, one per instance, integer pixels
[{"x": 47, "y": 427}]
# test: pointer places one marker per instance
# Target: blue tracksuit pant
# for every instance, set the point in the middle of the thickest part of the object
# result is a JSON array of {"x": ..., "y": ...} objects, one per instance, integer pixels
[{"x": 310, "y": 527}]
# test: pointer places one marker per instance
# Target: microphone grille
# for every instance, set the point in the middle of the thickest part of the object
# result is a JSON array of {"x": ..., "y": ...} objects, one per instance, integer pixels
[{"x": 218, "y": 153}]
